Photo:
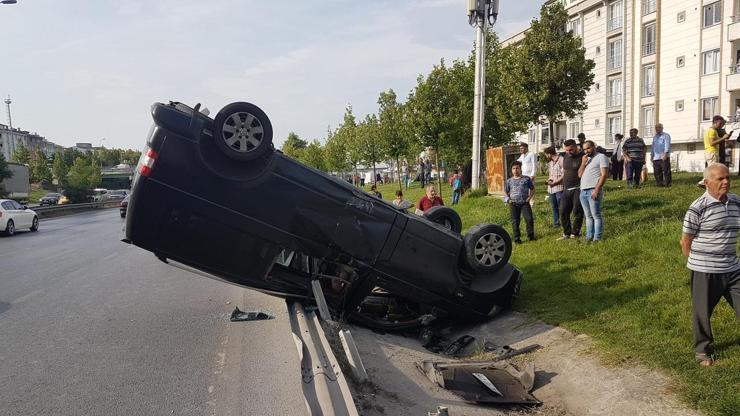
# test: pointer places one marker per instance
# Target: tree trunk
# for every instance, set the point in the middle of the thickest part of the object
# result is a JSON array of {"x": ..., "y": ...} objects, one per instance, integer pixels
[
  {"x": 439, "y": 172},
  {"x": 552, "y": 133},
  {"x": 375, "y": 175},
  {"x": 398, "y": 169}
]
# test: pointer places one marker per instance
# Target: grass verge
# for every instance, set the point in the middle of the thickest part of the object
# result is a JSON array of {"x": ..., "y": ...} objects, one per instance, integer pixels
[{"x": 630, "y": 293}]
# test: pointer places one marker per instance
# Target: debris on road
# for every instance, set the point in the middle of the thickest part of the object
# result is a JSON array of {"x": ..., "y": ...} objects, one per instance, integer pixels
[{"x": 239, "y": 316}]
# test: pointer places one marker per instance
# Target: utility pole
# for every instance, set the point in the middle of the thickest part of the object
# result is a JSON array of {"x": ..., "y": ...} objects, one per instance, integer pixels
[
  {"x": 480, "y": 13},
  {"x": 10, "y": 120}
]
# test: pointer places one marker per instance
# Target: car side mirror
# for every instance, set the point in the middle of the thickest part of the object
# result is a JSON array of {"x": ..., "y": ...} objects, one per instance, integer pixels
[{"x": 25, "y": 207}]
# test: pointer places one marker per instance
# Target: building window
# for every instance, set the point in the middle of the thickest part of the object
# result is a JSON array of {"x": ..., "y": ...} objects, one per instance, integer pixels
[
  {"x": 648, "y": 119},
  {"x": 711, "y": 62},
  {"x": 575, "y": 27},
  {"x": 691, "y": 148},
  {"x": 614, "y": 93},
  {"x": 573, "y": 129},
  {"x": 708, "y": 108},
  {"x": 648, "y": 6},
  {"x": 680, "y": 62},
  {"x": 681, "y": 17},
  {"x": 614, "y": 54},
  {"x": 712, "y": 14},
  {"x": 679, "y": 105},
  {"x": 648, "y": 39},
  {"x": 648, "y": 80},
  {"x": 597, "y": 86},
  {"x": 614, "y": 126},
  {"x": 532, "y": 136},
  {"x": 545, "y": 134},
  {"x": 614, "y": 13}
]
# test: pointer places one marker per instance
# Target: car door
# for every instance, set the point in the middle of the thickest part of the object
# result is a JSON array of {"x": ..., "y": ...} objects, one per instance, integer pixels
[
  {"x": 25, "y": 216},
  {"x": 12, "y": 213}
]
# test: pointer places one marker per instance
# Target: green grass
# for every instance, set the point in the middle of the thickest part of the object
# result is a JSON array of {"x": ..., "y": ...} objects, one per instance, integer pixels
[
  {"x": 36, "y": 194},
  {"x": 630, "y": 293}
]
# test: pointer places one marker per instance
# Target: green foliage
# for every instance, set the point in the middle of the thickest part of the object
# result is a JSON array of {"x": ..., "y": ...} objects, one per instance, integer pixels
[
  {"x": 39, "y": 168},
  {"x": 82, "y": 178},
  {"x": 335, "y": 153},
  {"x": 59, "y": 169},
  {"x": 368, "y": 144},
  {"x": 130, "y": 157},
  {"x": 551, "y": 68},
  {"x": 21, "y": 155},
  {"x": 108, "y": 157},
  {"x": 313, "y": 155},
  {"x": 394, "y": 131},
  {"x": 294, "y": 146},
  {"x": 5, "y": 173},
  {"x": 348, "y": 136}
]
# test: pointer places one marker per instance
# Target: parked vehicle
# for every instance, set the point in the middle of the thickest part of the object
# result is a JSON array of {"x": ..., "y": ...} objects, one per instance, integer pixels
[
  {"x": 50, "y": 199},
  {"x": 14, "y": 216},
  {"x": 123, "y": 205},
  {"x": 17, "y": 186},
  {"x": 214, "y": 195}
]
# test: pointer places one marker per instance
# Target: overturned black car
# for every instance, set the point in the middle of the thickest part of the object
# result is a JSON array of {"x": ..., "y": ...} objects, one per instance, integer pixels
[{"x": 214, "y": 195}]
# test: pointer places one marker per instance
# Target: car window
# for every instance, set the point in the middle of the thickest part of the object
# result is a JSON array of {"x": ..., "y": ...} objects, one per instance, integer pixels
[
  {"x": 7, "y": 205},
  {"x": 16, "y": 205}
]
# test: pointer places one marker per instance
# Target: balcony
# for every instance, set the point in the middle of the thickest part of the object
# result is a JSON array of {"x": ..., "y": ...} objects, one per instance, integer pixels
[
  {"x": 614, "y": 23},
  {"x": 614, "y": 62},
  {"x": 648, "y": 48},
  {"x": 733, "y": 80},
  {"x": 733, "y": 30}
]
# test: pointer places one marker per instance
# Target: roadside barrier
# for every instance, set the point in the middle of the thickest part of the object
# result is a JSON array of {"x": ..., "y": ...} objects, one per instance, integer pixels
[{"x": 66, "y": 209}]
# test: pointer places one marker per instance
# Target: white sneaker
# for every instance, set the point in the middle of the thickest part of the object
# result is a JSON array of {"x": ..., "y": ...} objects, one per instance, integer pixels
[{"x": 563, "y": 237}]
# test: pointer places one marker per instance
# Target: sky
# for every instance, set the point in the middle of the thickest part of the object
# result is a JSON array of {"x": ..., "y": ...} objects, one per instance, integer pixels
[{"x": 89, "y": 70}]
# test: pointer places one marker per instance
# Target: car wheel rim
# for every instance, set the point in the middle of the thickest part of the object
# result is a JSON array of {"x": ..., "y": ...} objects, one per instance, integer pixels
[
  {"x": 489, "y": 249},
  {"x": 447, "y": 223},
  {"x": 242, "y": 132},
  {"x": 35, "y": 223},
  {"x": 11, "y": 228}
]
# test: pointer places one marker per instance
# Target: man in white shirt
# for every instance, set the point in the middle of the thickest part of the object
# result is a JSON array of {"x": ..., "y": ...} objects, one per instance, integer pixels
[{"x": 529, "y": 161}]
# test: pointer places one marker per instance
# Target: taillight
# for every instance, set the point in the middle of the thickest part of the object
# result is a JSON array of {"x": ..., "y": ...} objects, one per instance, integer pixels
[{"x": 146, "y": 163}]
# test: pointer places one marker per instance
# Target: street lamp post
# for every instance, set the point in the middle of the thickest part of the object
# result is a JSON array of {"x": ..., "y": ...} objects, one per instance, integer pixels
[{"x": 480, "y": 12}]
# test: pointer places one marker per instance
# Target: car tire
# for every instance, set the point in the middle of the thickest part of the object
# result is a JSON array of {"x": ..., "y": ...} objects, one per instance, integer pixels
[
  {"x": 10, "y": 228},
  {"x": 35, "y": 224},
  {"x": 487, "y": 247},
  {"x": 446, "y": 217},
  {"x": 242, "y": 131},
  {"x": 123, "y": 215}
]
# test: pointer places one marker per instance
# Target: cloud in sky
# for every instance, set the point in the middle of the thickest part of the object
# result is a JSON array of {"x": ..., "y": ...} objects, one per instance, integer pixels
[{"x": 83, "y": 70}]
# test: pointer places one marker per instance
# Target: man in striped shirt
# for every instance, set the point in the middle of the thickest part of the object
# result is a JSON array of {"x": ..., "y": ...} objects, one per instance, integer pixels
[{"x": 709, "y": 240}]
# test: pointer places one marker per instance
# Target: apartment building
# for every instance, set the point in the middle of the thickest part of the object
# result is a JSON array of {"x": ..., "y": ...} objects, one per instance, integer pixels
[
  {"x": 676, "y": 62},
  {"x": 10, "y": 139}
]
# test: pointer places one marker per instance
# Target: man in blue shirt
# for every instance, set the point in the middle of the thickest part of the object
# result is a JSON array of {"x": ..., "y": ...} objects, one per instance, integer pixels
[{"x": 661, "y": 156}]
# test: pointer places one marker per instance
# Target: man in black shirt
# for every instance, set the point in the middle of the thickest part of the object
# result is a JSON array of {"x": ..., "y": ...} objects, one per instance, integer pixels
[{"x": 570, "y": 201}]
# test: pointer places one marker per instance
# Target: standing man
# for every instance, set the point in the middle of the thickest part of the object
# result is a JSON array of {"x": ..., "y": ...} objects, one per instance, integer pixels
[
  {"x": 617, "y": 158},
  {"x": 554, "y": 183},
  {"x": 593, "y": 171},
  {"x": 661, "y": 157},
  {"x": 634, "y": 150},
  {"x": 528, "y": 160},
  {"x": 570, "y": 201},
  {"x": 581, "y": 140},
  {"x": 709, "y": 241},
  {"x": 714, "y": 139},
  {"x": 519, "y": 191},
  {"x": 422, "y": 174}
]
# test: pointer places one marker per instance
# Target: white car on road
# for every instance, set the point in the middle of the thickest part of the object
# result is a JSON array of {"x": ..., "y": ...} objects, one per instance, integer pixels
[{"x": 14, "y": 216}]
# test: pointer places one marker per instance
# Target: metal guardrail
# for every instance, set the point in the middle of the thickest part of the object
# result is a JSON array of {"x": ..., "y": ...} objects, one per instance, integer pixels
[
  {"x": 324, "y": 387},
  {"x": 59, "y": 210}
]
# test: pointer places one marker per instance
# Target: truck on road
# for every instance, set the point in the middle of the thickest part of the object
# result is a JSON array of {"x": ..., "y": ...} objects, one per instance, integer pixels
[{"x": 17, "y": 186}]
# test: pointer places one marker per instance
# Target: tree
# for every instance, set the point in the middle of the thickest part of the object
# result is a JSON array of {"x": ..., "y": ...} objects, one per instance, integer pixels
[
  {"x": 347, "y": 135},
  {"x": 5, "y": 173},
  {"x": 313, "y": 156},
  {"x": 335, "y": 153},
  {"x": 83, "y": 177},
  {"x": 393, "y": 134},
  {"x": 59, "y": 169},
  {"x": 368, "y": 145},
  {"x": 21, "y": 155},
  {"x": 40, "y": 168},
  {"x": 553, "y": 64},
  {"x": 130, "y": 157},
  {"x": 294, "y": 146}
]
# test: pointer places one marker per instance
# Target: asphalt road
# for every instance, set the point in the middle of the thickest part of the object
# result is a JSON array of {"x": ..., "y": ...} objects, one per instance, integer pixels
[{"x": 92, "y": 326}]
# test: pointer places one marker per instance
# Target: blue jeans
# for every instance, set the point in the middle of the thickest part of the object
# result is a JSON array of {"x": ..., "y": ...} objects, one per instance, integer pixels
[
  {"x": 592, "y": 211},
  {"x": 555, "y": 204},
  {"x": 406, "y": 181},
  {"x": 634, "y": 170},
  {"x": 456, "y": 196}
]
